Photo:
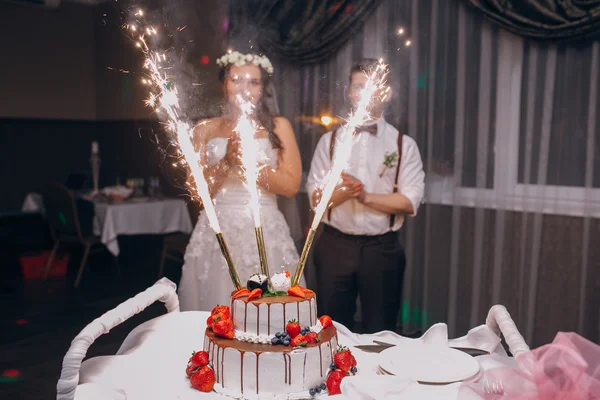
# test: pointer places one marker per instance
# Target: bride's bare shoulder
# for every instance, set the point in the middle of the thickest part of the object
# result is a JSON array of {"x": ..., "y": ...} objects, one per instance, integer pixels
[{"x": 209, "y": 128}]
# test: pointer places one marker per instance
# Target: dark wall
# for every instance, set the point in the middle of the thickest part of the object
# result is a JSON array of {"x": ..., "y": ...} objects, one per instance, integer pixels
[
  {"x": 47, "y": 62},
  {"x": 60, "y": 90}
]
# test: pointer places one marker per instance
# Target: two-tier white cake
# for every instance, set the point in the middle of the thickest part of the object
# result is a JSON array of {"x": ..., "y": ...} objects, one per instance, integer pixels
[{"x": 250, "y": 367}]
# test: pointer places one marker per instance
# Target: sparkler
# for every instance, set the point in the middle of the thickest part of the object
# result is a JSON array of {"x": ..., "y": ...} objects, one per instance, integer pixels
[
  {"x": 375, "y": 85},
  {"x": 165, "y": 98},
  {"x": 246, "y": 128}
]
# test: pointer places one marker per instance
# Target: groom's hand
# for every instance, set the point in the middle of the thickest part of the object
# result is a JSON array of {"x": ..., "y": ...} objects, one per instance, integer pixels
[{"x": 352, "y": 185}]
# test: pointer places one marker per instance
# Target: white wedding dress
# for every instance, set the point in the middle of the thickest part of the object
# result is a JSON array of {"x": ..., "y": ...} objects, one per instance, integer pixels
[{"x": 205, "y": 280}]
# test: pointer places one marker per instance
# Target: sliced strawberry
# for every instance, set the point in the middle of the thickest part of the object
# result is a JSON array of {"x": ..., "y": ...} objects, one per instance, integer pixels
[
  {"x": 333, "y": 382},
  {"x": 312, "y": 337},
  {"x": 287, "y": 274},
  {"x": 298, "y": 341},
  {"x": 293, "y": 328},
  {"x": 296, "y": 291},
  {"x": 305, "y": 290},
  {"x": 203, "y": 379},
  {"x": 255, "y": 294},
  {"x": 191, "y": 369},
  {"x": 343, "y": 359},
  {"x": 240, "y": 293},
  {"x": 326, "y": 321}
]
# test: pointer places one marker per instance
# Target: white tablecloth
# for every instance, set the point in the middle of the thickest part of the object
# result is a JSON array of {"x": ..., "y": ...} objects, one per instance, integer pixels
[
  {"x": 134, "y": 217},
  {"x": 140, "y": 218},
  {"x": 151, "y": 361}
]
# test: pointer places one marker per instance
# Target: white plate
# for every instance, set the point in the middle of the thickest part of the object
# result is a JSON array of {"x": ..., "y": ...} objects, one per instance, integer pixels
[{"x": 428, "y": 363}]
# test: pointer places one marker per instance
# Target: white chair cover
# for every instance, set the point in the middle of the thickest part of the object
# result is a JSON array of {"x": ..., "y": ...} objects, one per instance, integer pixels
[
  {"x": 164, "y": 290},
  {"x": 499, "y": 321}
]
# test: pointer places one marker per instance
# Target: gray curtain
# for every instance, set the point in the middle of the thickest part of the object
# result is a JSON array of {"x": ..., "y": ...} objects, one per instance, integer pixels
[
  {"x": 548, "y": 19},
  {"x": 509, "y": 132},
  {"x": 304, "y": 31}
]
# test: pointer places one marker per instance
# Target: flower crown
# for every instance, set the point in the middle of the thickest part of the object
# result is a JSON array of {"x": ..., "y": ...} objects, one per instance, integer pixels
[{"x": 238, "y": 59}]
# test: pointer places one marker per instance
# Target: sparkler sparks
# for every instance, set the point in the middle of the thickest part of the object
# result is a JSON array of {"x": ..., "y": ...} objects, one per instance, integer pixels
[
  {"x": 164, "y": 99},
  {"x": 246, "y": 129},
  {"x": 375, "y": 86}
]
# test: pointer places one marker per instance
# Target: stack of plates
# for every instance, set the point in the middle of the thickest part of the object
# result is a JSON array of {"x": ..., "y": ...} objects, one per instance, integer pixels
[{"x": 426, "y": 363}]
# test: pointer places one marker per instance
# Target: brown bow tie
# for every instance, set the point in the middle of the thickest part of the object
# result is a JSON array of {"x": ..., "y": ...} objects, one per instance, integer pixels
[{"x": 372, "y": 129}]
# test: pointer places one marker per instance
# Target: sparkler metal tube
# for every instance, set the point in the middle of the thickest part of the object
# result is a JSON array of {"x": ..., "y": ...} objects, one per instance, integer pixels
[
  {"x": 262, "y": 253},
  {"x": 303, "y": 257},
  {"x": 232, "y": 272}
]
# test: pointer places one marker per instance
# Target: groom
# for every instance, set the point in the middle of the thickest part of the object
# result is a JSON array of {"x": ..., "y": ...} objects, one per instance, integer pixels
[{"x": 359, "y": 251}]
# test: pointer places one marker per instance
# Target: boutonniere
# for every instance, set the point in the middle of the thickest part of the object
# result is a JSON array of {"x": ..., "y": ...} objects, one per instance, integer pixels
[{"x": 389, "y": 161}]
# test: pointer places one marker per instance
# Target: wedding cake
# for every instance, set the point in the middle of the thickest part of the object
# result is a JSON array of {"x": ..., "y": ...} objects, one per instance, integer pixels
[{"x": 270, "y": 343}]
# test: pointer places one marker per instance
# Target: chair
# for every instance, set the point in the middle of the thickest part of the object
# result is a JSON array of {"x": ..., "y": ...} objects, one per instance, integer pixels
[
  {"x": 174, "y": 248},
  {"x": 71, "y": 221},
  {"x": 68, "y": 385}
]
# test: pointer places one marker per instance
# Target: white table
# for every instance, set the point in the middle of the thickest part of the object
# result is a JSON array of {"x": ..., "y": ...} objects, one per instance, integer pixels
[
  {"x": 150, "y": 362},
  {"x": 139, "y": 216}
]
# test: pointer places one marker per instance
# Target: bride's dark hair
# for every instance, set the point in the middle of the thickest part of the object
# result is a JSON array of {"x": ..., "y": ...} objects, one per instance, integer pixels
[{"x": 263, "y": 113}]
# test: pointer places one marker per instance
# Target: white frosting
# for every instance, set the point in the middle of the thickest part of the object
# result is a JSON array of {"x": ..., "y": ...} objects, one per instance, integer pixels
[
  {"x": 249, "y": 337},
  {"x": 317, "y": 327},
  {"x": 253, "y": 318},
  {"x": 270, "y": 375}
]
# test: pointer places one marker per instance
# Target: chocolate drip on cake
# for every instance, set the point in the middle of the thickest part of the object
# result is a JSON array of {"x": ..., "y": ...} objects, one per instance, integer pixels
[
  {"x": 218, "y": 348},
  {"x": 257, "y": 355},
  {"x": 257, "y": 319},
  {"x": 242, "y": 370},
  {"x": 222, "y": 367},
  {"x": 304, "y": 369},
  {"x": 290, "y": 371},
  {"x": 269, "y": 318},
  {"x": 285, "y": 368},
  {"x": 321, "y": 361},
  {"x": 245, "y": 315}
]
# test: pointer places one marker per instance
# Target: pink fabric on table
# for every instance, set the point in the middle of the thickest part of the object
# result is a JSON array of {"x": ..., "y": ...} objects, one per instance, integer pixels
[{"x": 566, "y": 369}]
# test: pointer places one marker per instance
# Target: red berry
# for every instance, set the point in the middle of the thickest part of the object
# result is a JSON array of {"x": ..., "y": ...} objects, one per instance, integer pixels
[
  {"x": 200, "y": 358},
  {"x": 296, "y": 291},
  {"x": 293, "y": 328},
  {"x": 325, "y": 321},
  {"x": 333, "y": 382},
  {"x": 343, "y": 359},
  {"x": 255, "y": 294},
  {"x": 298, "y": 341},
  {"x": 312, "y": 337},
  {"x": 224, "y": 310},
  {"x": 204, "y": 379},
  {"x": 224, "y": 328}
]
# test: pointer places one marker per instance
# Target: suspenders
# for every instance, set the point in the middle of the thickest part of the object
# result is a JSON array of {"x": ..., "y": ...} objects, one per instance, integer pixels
[{"x": 395, "y": 189}]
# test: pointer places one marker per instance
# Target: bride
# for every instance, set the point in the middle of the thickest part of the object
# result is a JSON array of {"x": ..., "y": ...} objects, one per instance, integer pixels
[{"x": 205, "y": 281}]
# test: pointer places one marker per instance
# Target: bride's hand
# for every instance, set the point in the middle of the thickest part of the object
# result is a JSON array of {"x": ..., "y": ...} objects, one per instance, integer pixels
[
  {"x": 263, "y": 176},
  {"x": 232, "y": 157}
]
